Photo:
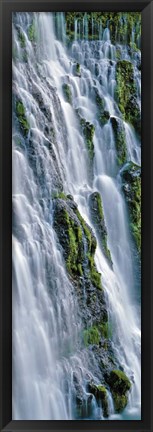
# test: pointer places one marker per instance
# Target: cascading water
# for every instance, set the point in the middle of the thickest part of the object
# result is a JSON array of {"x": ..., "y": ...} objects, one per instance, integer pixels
[{"x": 50, "y": 359}]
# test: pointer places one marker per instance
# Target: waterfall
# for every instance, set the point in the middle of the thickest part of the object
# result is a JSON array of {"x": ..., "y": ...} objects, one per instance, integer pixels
[{"x": 55, "y": 84}]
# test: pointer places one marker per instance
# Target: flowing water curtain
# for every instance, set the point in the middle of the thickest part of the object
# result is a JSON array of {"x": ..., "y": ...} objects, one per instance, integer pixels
[{"x": 76, "y": 215}]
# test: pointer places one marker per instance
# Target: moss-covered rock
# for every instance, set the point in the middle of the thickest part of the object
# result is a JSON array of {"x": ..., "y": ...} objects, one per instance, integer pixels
[
  {"x": 88, "y": 131},
  {"x": 78, "y": 246},
  {"x": 103, "y": 114},
  {"x": 70, "y": 234},
  {"x": 32, "y": 33},
  {"x": 120, "y": 139},
  {"x": 78, "y": 69},
  {"x": 131, "y": 176},
  {"x": 126, "y": 94},
  {"x": 21, "y": 38},
  {"x": 120, "y": 385},
  {"x": 97, "y": 215},
  {"x": 67, "y": 92},
  {"x": 71, "y": 229},
  {"x": 21, "y": 115},
  {"x": 100, "y": 393}
]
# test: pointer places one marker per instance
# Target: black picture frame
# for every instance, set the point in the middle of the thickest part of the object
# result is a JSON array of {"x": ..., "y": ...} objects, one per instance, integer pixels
[{"x": 6, "y": 9}]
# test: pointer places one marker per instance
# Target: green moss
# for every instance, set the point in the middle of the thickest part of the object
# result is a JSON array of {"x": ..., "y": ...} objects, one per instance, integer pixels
[
  {"x": 100, "y": 393},
  {"x": 132, "y": 189},
  {"x": 67, "y": 92},
  {"x": 97, "y": 214},
  {"x": 126, "y": 94},
  {"x": 71, "y": 231},
  {"x": 21, "y": 38},
  {"x": 78, "y": 68},
  {"x": 120, "y": 139},
  {"x": 80, "y": 269},
  {"x": 120, "y": 401},
  {"x": 95, "y": 278},
  {"x": 119, "y": 381},
  {"x": 88, "y": 131},
  {"x": 99, "y": 205},
  {"x": 59, "y": 195},
  {"x": 125, "y": 84},
  {"x": 105, "y": 330},
  {"x": 120, "y": 385},
  {"x": 104, "y": 117},
  {"x": 103, "y": 114},
  {"x": 20, "y": 111},
  {"x": 74, "y": 244},
  {"x": 94, "y": 275},
  {"x": 32, "y": 34},
  {"x": 91, "y": 240},
  {"x": 91, "y": 336}
]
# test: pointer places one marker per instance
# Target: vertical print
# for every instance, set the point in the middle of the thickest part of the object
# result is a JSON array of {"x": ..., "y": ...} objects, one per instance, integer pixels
[{"x": 76, "y": 331}]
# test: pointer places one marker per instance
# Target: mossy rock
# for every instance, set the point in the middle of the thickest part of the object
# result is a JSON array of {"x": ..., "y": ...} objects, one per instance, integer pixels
[
  {"x": 67, "y": 92},
  {"x": 70, "y": 235},
  {"x": 120, "y": 402},
  {"x": 126, "y": 94},
  {"x": 94, "y": 275},
  {"x": 120, "y": 385},
  {"x": 103, "y": 114},
  {"x": 88, "y": 131},
  {"x": 104, "y": 117},
  {"x": 71, "y": 228},
  {"x": 100, "y": 393},
  {"x": 21, "y": 38},
  {"x": 120, "y": 139},
  {"x": 78, "y": 69},
  {"x": 32, "y": 33},
  {"x": 21, "y": 115},
  {"x": 97, "y": 214},
  {"x": 131, "y": 176}
]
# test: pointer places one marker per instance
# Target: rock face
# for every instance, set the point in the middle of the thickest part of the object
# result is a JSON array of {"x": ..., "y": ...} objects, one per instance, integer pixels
[
  {"x": 97, "y": 215},
  {"x": 127, "y": 95},
  {"x": 131, "y": 176}
]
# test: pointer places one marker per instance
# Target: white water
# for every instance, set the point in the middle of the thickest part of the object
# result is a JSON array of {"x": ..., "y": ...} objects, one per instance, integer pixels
[{"x": 46, "y": 323}]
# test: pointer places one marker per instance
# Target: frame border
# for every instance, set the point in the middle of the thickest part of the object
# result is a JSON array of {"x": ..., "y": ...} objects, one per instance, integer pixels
[{"x": 6, "y": 9}]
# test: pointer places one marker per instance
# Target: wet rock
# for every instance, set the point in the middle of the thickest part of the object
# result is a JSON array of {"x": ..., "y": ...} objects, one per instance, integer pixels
[
  {"x": 120, "y": 139},
  {"x": 126, "y": 94},
  {"x": 100, "y": 393},
  {"x": 79, "y": 244},
  {"x": 120, "y": 385},
  {"x": 131, "y": 176},
  {"x": 97, "y": 215}
]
